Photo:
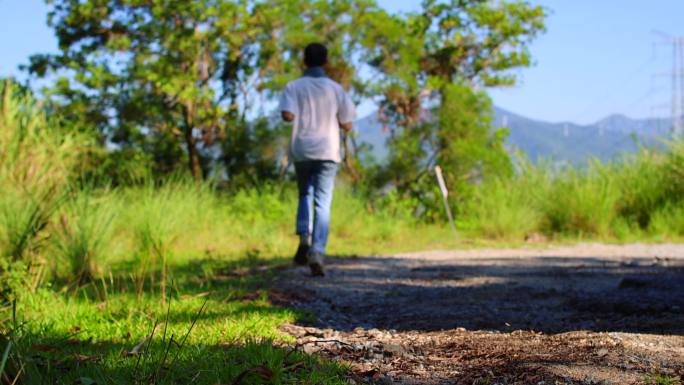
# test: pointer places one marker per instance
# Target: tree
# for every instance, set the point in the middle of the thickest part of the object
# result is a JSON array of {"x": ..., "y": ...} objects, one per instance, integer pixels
[
  {"x": 432, "y": 67},
  {"x": 155, "y": 75},
  {"x": 164, "y": 76}
]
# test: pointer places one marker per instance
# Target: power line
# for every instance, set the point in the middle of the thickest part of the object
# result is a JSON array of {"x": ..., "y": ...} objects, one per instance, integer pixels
[
  {"x": 620, "y": 86},
  {"x": 676, "y": 126}
]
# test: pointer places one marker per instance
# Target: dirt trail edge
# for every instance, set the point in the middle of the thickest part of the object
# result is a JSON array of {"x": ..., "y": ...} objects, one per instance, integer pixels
[{"x": 586, "y": 314}]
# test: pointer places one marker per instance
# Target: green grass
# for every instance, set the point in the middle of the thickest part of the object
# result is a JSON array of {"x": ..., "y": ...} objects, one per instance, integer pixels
[
  {"x": 109, "y": 249},
  {"x": 661, "y": 379},
  {"x": 214, "y": 326},
  {"x": 82, "y": 235},
  {"x": 637, "y": 199}
]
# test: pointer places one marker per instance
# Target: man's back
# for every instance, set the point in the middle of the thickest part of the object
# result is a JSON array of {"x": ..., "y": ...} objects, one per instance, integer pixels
[{"x": 319, "y": 106}]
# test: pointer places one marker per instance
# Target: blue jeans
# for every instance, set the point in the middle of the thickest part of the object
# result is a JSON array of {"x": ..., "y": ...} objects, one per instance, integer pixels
[{"x": 315, "y": 181}]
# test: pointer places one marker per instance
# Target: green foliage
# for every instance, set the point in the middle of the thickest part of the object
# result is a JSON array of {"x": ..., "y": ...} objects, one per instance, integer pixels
[
  {"x": 502, "y": 209},
  {"x": 253, "y": 155},
  {"x": 661, "y": 379},
  {"x": 83, "y": 234},
  {"x": 674, "y": 170},
  {"x": 667, "y": 221},
  {"x": 459, "y": 138},
  {"x": 287, "y": 26},
  {"x": 23, "y": 216},
  {"x": 631, "y": 199},
  {"x": 452, "y": 48},
  {"x": 478, "y": 40},
  {"x": 121, "y": 167},
  {"x": 16, "y": 279},
  {"x": 157, "y": 216},
  {"x": 36, "y": 164},
  {"x": 465, "y": 140},
  {"x": 172, "y": 80},
  {"x": 581, "y": 203},
  {"x": 162, "y": 77},
  {"x": 644, "y": 186}
]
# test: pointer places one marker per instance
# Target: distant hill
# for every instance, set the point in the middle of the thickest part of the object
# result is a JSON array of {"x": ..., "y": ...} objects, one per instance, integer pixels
[{"x": 563, "y": 142}]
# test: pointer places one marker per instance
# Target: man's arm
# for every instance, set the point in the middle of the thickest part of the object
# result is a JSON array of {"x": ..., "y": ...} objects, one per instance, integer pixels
[
  {"x": 347, "y": 112},
  {"x": 288, "y": 104},
  {"x": 287, "y": 116},
  {"x": 346, "y": 126}
]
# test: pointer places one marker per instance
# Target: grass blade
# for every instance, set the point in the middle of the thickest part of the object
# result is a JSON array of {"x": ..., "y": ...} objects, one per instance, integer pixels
[{"x": 5, "y": 356}]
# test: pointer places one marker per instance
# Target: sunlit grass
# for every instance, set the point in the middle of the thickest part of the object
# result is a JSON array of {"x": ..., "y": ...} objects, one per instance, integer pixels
[
  {"x": 200, "y": 337},
  {"x": 636, "y": 199}
]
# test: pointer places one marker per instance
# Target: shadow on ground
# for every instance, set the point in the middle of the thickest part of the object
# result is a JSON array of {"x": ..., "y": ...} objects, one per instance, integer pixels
[
  {"x": 47, "y": 359},
  {"x": 546, "y": 294},
  {"x": 215, "y": 328}
]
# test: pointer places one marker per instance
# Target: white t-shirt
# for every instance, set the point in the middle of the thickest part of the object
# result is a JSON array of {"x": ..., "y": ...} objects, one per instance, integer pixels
[{"x": 319, "y": 106}]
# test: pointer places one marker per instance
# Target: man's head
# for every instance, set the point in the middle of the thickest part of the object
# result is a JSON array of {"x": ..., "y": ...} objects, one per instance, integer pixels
[{"x": 315, "y": 55}]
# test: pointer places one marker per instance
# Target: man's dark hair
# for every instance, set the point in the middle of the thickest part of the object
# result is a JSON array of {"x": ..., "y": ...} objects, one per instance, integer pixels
[{"x": 315, "y": 55}]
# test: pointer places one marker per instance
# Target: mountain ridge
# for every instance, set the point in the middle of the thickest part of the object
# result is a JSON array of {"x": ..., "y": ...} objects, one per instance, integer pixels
[{"x": 561, "y": 142}]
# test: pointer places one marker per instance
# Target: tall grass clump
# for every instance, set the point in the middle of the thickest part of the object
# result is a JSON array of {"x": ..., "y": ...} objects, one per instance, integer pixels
[
  {"x": 503, "y": 209},
  {"x": 667, "y": 218},
  {"x": 667, "y": 222},
  {"x": 83, "y": 233},
  {"x": 580, "y": 202},
  {"x": 262, "y": 218},
  {"x": 355, "y": 219},
  {"x": 643, "y": 185},
  {"x": 36, "y": 162},
  {"x": 157, "y": 215},
  {"x": 543, "y": 200},
  {"x": 674, "y": 170},
  {"x": 640, "y": 194}
]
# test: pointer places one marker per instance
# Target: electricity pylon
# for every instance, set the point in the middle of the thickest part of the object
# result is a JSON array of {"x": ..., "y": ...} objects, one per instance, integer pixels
[{"x": 677, "y": 76}]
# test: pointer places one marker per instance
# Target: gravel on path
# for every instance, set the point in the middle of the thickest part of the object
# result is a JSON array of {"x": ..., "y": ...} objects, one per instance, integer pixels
[{"x": 585, "y": 314}]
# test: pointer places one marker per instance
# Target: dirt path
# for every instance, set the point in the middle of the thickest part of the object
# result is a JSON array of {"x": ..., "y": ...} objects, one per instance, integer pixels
[{"x": 587, "y": 314}]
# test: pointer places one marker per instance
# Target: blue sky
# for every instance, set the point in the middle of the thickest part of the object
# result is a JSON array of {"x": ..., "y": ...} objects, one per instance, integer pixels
[{"x": 598, "y": 57}]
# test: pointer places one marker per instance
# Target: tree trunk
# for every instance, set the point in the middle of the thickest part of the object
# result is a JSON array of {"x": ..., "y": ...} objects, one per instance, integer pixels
[
  {"x": 193, "y": 155},
  {"x": 191, "y": 143}
]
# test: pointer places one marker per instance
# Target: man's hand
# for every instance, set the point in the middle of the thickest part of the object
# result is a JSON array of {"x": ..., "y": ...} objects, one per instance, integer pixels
[
  {"x": 346, "y": 126},
  {"x": 287, "y": 116}
]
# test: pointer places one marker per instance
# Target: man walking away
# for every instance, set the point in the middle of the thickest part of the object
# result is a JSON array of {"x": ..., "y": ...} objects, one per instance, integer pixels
[{"x": 318, "y": 107}]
